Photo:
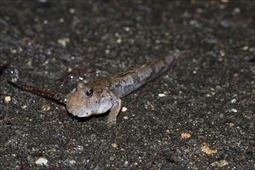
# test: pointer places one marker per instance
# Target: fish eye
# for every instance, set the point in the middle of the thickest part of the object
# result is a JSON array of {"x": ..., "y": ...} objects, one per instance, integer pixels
[{"x": 89, "y": 92}]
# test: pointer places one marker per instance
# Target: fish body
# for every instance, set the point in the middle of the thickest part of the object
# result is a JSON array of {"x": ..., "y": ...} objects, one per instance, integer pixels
[{"x": 99, "y": 96}]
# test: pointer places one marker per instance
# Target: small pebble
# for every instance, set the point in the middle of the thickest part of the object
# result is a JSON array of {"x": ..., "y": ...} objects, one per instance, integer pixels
[
  {"x": 161, "y": 95},
  {"x": 107, "y": 51},
  {"x": 61, "y": 20},
  {"x": 205, "y": 148},
  {"x": 72, "y": 10},
  {"x": 23, "y": 107},
  {"x": 220, "y": 163},
  {"x": 7, "y": 99},
  {"x": 41, "y": 161},
  {"x": 72, "y": 161},
  {"x": 233, "y": 101},
  {"x": 185, "y": 135},
  {"x": 63, "y": 41},
  {"x": 208, "y": 95},
  {"x": 45, "y": 108},
  {"x": 233, "y": 110},
  {"x": 123, "y": 109},
  {"x": 245, "y": 48},
  {"x": 114, "y": 145}
]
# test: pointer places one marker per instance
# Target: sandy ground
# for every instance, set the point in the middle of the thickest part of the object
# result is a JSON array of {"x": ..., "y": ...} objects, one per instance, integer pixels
[{"x": 198, "y": 115}]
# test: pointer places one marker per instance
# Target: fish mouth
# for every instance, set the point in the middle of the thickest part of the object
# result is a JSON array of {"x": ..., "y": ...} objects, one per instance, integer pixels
[
  {"x": 79, "y": 112},
  {"x": 84, "y": 114}
]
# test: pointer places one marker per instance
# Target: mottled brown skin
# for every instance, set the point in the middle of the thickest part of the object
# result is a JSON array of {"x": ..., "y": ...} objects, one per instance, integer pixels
[{"x": 99, "y": 96}]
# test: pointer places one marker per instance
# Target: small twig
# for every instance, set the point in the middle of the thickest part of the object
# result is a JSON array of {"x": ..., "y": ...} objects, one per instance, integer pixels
[{"x": 57, "y": 97}]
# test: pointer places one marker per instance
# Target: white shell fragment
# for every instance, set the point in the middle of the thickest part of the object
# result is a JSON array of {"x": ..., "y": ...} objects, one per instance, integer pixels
[
  {"x": 161, "y": 95},
  {"x": 7, "y": 99},
  {"x": 233, "y": 110},
  {"x": 123, "y": 109},
  {"x": 41, "y": 161}
]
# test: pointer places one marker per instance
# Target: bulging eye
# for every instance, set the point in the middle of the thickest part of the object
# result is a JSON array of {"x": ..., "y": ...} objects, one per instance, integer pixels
[{"x": 89, "y": 92}]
